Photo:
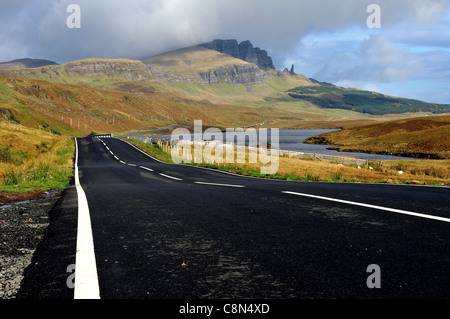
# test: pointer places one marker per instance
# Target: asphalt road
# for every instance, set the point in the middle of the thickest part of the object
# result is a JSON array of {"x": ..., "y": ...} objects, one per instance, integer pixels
[{"x": 164, "y": 231}]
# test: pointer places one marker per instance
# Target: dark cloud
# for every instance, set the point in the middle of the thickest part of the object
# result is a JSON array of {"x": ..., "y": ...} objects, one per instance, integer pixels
[{"x": 140, "y": 28}]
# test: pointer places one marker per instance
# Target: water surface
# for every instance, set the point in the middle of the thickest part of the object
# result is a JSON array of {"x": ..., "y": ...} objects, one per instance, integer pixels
[{"x": 292, "y": 140}]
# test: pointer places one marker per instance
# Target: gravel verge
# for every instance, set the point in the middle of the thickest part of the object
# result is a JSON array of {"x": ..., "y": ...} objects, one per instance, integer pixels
[{"x": 22, "y": 227}]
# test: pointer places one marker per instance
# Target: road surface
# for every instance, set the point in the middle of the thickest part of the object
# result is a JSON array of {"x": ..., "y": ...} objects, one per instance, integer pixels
[{"x": 162, "y": 231}]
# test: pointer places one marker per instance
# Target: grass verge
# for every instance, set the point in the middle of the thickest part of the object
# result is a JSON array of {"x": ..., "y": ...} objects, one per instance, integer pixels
[
  {"x": 421, "y": 172},
  {"x": 32, "y": 161}
]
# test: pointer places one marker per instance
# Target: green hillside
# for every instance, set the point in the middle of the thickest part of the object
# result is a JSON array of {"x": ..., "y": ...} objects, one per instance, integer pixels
[
  {"x": 333, "y": 97},
  {"x": 197, "y": 75}
]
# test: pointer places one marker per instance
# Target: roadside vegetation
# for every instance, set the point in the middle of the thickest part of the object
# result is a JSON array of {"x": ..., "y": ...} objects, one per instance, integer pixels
[
  {"x": 421, "y": 172},
  {"x": 32, "y": 161},
  {"x": 422, "y": 137}
]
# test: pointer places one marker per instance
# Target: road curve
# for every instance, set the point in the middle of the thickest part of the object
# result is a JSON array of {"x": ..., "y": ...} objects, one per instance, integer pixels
[{"x": 164, "y": 231}]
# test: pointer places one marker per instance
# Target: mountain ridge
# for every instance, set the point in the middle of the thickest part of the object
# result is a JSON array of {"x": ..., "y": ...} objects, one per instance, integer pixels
[
  {"x": 203, "y": 72},
  {"x": 243, "y": 51},
  {"x": 26, "y": 63}
]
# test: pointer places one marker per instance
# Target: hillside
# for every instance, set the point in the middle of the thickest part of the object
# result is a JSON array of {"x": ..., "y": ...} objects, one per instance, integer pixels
[
  {"x": 425, "y": 137},
  {"x": 31, "y": 161},
  {"x": 105, "y": 74},
  {"x": 199, "y": 65},
  {"x": 25, "y": 63},
  {"x": 199, "y": 73},
  {"x": 334, "y": 97},
  {"x": 203, "y": 75},
  {"x": 79, "y": 110}
]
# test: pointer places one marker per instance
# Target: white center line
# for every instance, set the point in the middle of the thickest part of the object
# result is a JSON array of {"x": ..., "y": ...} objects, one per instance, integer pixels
[
  {"x": 146, "y": 168},
  {"x": 123, "y": 163},
  {"x": 132, "y": 165},
  {"x": 175, "y": 178},
  {"x": 399, "y": 211},
  {"x": 216, "y": 184}
]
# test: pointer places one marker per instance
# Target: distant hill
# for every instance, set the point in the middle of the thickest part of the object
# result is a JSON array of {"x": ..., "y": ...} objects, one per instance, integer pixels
[
  {"x": 326, "y": 95},
  {"x": 106, "y": 74},
  {"x": 200, "y": 65},
  {"x": 223, "y": 72},
  {"x": 26, "y": 63},
  {"x": 422, "y": 137}
]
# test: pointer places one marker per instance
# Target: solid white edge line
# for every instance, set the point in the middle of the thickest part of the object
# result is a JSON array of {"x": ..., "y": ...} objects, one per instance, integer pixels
[
  {"x": 86, "y": 279},
  {"x": 175, "y": 178},
  {"x": 216, "y": 184},
  {"x": 399, "y": 211}
]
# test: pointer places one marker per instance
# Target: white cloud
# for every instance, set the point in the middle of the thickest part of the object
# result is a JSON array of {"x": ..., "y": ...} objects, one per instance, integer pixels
[
  {"x": 426, "y": 10},
  {"x": 141, "y": 27},
  {"x": 327, "y": 39}
]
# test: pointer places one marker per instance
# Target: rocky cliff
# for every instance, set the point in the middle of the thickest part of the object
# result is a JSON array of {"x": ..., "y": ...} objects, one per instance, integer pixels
[
  {"x": 248, "y": 74},
  {"x": 120, "y": 68},
  {"x": 96, "y": 69},
  {"x": 203, "y": 66},
  {"x": 244, "y": 51}
]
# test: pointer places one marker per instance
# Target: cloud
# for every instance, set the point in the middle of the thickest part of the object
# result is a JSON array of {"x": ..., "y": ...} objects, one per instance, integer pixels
[
  {"x": 327, "y": 39},
  {"x": 138, "y": 28}
]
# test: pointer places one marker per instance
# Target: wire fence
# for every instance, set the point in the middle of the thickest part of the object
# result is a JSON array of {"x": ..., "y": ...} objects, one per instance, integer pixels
[{"x": 176, "y": 147}]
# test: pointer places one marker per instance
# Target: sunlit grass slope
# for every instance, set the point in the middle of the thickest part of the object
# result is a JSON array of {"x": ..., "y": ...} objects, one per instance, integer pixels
[{"x": 33, "y": 160}]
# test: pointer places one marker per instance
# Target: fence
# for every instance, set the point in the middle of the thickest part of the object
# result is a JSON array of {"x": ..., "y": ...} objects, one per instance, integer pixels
[{"x": 176, "y": 147}]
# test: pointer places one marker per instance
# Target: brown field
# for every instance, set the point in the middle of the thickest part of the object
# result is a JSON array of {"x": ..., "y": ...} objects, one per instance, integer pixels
[
  {"x": 424, "y": 137},
  {"x": 33, "y": 161}
]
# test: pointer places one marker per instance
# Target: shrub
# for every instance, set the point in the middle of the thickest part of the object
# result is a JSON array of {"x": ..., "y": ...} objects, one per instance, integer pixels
[{"x": 5, "y": 155}]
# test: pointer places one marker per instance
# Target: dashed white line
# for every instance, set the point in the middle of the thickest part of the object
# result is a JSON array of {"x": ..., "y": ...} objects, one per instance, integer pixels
[
  {"x": 146, "y": 168},
  {"x": 216, "y": 184},
  {"x": 123, "y": 162},
  {"x": 133, "y": 165},
  {"x": 399, "y": 211},
  {"x": 86, "y": 279},
  {"x": 171, "y": 177}
]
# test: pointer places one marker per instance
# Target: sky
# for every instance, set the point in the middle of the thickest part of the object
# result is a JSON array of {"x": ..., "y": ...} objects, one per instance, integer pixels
[{"x": 328, "y": 40}]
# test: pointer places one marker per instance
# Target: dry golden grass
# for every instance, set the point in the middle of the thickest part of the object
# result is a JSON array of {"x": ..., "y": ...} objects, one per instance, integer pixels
[
  {"x": 426, "y": 172},
  {"x": 33, "y": 159},
  {"x": 425, "y": 137}
]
